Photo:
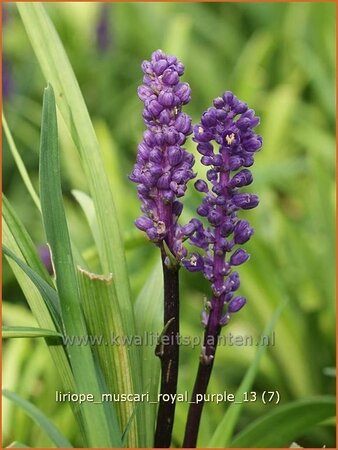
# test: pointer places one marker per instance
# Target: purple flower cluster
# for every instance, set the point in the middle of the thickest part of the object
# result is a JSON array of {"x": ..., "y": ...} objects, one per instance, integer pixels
[
  {"x": 227, "y": 143},
  {"x": 163, "y": 167}
]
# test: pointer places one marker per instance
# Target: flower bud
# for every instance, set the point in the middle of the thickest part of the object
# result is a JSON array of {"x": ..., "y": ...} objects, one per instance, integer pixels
[
  {"x": 245, "y": 201},
  {"x": 239, "y": 257},
  {"x": 201, "y": 186},
  {"x": 242, "y": 178},
  {"x": 175, "y": 155},
  {"x": 160, "y": 66},
  {"x": 143, "y": 223},
  {"x": 236, "y": 304},
  {"x": 242, "y": 232}
]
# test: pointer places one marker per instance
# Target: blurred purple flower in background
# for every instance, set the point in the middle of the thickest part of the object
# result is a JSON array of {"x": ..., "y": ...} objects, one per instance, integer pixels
[
  {"x": 103, "y": 29},
  {"x": 6, "y": 79},
  {"x": 7, "y": 82},
  {"x": 46, "y": 258}
]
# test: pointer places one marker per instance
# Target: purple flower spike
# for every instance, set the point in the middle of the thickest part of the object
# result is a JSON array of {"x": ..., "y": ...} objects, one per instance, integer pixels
[
  {"x": 227, "y": 143},
  {"x": 163, "y": 166}
]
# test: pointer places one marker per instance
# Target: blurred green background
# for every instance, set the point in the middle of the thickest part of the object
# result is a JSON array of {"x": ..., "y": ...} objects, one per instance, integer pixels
[{"x": 280, "y": 59}]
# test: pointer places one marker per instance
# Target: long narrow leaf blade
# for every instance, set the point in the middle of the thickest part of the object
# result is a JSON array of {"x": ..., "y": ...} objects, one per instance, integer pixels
[
  {"x": 27, "y": 332},
  {"x": 20, "y": 164},
  {"x": 103, "y": 318},
  {"x": 49, "y": 295},
  {"x": 23, "y": 240},
  {"x": 17, "y": 444},
  {"x": 149, "y": 310},
  {"x": 38, "y": 417},
  {"x": 109, "y": 317},
  {"x": 16, "y": 238},
  {"x": 225, "y": 429},
  {"x": 99, "y": 432},
  {"x": 285, "y": 423}
]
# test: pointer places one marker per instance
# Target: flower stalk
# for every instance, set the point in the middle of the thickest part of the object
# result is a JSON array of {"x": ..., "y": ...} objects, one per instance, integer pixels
[
  {"x": 162, "y": 171},
  {"x": 229, "y": 124},
  {"x": 168, "y": 352}
]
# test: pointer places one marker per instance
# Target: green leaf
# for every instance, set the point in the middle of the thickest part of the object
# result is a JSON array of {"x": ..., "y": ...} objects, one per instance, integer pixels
[
  {"x": 16, "y": 238},
  {"x": 330, "y": 371},
  {"x": 17, "y": 444},
  {"x": 38, "y": 417},
  {"x": 27, "y": 332},
  {"x": 100, "y": 433},
  {"x": 149, "y": 310},
  {"x": 49, "y": 294},
  {"x": 226, "y": 426},
  {"x": 103, "y": 318},
  {"x": 88, "y": 209},
  {"x": 20, "y": 164},
  {"x": 57, "y": 70},
  {"x": 23, "y": 241},
  {"x": 284, "y": 424},
  {"x": 128, "y": 426}
]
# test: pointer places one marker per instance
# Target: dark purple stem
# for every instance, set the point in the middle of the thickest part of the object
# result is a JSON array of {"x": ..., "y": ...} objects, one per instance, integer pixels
[
  {"x": 211, "y": 334},
  {"x": 203, "y": 375},
  {"x": 168, "y": 352}
]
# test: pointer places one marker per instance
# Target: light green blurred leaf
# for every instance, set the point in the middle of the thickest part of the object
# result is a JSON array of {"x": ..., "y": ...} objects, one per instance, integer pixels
[
  {"x": 322, "y": 81},
  {"x": 253, "y": 55},
  {"x": 40, "y": 419},
  {"x": 149, "y": 310},
  {"x": 88, "y": 209},
  {"x": 27, "y": 332},
  {"x": 17, "y": 444},
  {"x": 285, "y": 423},
  {"x": 225, "y": 429},
  {"x": 20, "y": 164},
  {"x": 276, "y": 123},
  {"x": 330, "y": 371},
  {"x": 111, "y": 156},
  {"x": 179, "y": 31}
]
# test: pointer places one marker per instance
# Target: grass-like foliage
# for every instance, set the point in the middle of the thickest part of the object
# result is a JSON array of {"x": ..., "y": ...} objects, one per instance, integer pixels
[{"x": 73, "y": 193}]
